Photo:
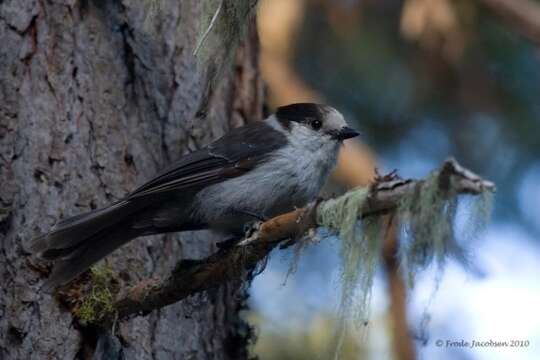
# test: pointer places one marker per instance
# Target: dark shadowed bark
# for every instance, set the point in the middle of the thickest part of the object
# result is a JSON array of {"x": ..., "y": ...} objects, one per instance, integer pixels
[{"x": 95, "y": 97}]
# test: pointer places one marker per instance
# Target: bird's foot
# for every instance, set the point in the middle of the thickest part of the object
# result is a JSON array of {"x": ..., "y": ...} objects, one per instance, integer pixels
[
  {"x": 250, "y": 232},
  {"x": 391, "y": 176}
]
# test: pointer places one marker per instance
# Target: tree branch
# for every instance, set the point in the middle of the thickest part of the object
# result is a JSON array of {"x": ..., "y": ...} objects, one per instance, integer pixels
[{"x": 193, "y": 276}]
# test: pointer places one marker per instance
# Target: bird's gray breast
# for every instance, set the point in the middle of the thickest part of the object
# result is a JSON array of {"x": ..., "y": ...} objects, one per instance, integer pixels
[{"x": 290, "y": 178}]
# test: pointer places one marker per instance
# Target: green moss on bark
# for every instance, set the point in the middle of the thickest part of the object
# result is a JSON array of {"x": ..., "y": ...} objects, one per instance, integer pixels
[{"x": 99, "y": 302}]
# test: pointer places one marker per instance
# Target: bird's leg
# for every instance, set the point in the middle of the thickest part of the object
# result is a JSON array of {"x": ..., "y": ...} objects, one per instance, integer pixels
[{"x": 251, "y": 227}]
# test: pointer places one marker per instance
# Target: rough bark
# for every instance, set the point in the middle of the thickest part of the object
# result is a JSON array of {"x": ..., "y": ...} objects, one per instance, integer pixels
[{"x": 95, "y": 97}]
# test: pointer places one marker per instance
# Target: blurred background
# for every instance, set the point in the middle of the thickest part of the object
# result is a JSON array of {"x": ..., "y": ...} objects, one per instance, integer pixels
[{"x": 422, "y": 80}]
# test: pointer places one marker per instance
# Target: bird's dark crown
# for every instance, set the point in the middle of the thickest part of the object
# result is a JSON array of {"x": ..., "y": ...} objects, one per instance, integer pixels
[{"x": 301, "y": 112}]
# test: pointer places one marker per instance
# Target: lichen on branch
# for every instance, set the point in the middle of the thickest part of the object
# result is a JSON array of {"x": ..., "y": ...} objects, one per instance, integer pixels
[
  {"x": 426, "y": 208},
  {"x": 427, "y": 218},
  {"x": 360, "y": 247}
]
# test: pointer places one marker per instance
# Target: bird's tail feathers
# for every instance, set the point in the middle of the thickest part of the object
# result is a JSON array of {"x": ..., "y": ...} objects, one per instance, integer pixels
[
  {"x": 78, "y": 242},
  {"x": 71, "y": 231},
  {"x": 72, "y": 262}
]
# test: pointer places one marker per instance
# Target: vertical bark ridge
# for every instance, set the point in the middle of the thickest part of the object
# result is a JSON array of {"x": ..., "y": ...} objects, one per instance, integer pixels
[{"x": 94, "y": 98}]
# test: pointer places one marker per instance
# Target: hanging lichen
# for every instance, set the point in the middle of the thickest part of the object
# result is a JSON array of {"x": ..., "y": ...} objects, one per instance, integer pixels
[
  {"x": 360, "y": 256},
  {"x": 427, "y": 218},
  {"x": 429, "y": 232},
  {"x": 299, "y": 246},
  {"x": 478, "y": 215},
  {"x": 476, "y": 210},
  {"x": 360, "y": 252},
  {"x": 360, "y": 249},
  {"x": 342, "y": 214}
]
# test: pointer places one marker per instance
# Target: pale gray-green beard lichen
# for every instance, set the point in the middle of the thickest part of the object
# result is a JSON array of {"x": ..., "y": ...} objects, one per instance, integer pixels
[
  {"x": 298, "y": 248},
  {"x": 427, "y": 221},
  {"x": 479, "y": 215},
  {"x": 360, "y": 248},
  {"x": 360, "y": 252},
  {"x": 426, "y": 217}
]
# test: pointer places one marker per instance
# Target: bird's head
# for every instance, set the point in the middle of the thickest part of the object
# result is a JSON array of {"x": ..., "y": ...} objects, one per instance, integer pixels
[{"x": 316, "y": 121}]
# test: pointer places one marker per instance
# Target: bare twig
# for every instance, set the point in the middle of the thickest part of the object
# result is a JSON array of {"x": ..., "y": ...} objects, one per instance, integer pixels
[{"x": 191, "y": 277}]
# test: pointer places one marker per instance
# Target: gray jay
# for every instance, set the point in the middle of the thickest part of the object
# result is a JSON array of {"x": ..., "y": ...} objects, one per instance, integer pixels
[{"x": 256, "y": 171}]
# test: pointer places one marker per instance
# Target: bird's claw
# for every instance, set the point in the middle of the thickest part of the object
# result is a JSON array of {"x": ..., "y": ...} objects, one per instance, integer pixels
[
  {"x": 391, "y": 176},
  {"x": 250, "y": 231}
]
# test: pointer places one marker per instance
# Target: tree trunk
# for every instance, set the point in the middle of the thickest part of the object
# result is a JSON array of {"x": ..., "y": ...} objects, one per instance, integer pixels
[{"x": 95, "y": 97}]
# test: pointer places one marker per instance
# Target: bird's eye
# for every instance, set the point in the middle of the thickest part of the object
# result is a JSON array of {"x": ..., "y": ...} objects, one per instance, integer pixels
[{"x": 316, "y": 124}]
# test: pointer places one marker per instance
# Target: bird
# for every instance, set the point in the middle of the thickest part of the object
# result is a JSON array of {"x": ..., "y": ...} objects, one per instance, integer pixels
[{"x": 254, "y": 172}]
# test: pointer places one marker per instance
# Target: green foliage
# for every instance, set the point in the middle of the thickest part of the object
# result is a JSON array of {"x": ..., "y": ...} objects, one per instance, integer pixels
[{"x": 100, "y": 301}]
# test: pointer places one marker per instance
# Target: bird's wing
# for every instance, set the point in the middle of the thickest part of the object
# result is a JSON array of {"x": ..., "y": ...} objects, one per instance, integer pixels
[{"x": 238, "y": 152}]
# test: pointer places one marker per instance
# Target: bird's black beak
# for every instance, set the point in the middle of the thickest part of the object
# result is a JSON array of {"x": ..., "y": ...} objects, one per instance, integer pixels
[{"x": 346, "y": 133}]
